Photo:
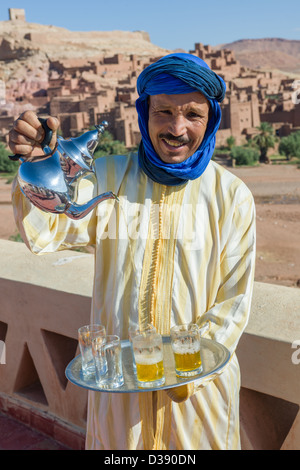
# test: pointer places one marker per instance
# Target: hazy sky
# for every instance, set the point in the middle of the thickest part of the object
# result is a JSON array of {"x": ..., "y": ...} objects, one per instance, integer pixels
[{"x": 171, "y": 24}]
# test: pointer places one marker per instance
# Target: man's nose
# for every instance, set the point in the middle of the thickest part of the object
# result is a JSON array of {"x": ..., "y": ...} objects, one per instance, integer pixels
[{"x": 177, "y": 125}]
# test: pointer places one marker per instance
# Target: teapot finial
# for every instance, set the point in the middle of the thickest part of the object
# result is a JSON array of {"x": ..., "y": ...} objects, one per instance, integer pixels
[
  {"x": 81, "y": 149},
  {"x": 101, "y": 127}
]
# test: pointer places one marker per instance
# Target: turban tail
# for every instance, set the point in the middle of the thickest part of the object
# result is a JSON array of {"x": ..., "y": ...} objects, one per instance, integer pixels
[{"x": 178, "y": 74}]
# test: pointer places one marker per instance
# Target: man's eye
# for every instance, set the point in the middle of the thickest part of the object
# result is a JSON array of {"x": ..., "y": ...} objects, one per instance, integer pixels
[
  {"x": 193, "y": 115},
  {"x": 165, "y": 111}
]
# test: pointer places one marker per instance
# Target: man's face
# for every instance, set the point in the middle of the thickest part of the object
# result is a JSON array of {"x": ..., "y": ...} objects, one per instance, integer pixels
[{"x": 177, "y": 124}]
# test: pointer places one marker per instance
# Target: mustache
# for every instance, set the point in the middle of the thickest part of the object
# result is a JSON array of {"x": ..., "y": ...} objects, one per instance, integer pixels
[{"x": 181, "y": 139}]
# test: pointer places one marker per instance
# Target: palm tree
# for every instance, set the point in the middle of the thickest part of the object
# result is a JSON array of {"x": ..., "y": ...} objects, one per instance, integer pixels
[
  {"x": 230, "y": 142},
  {"x": 265, "y": 139}
]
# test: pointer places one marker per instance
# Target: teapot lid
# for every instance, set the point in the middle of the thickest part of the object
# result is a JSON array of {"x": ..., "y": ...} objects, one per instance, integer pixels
[{"x": 81, "y": 149}]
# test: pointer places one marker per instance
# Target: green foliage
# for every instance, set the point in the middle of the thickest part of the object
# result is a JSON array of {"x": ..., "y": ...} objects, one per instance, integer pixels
[
  {"x": 264, "y": 140},
  {"x": 290, "y": 145},
  {"x": 230, "y": 142},
  {"x": 245, "y": 155},
  {"x": 109, "y": 146},
  {"x": 251, "y": 144},
  {"x": 16, "y": 238},
  {"x": 6, "y": 165}
]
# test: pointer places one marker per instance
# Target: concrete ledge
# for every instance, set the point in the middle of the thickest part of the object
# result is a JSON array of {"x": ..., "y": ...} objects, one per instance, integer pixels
[
  {"x": 265, "y": 350},
  {"x": 275, "y": 312},
  {"x": 67, "y": 271}
]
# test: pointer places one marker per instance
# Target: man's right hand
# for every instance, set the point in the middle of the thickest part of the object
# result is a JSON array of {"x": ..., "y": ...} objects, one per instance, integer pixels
[{"x": 27, "y": 134}]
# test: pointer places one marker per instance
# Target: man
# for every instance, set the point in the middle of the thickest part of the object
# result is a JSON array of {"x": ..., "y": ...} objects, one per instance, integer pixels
[{"x": 192, "y": 264}]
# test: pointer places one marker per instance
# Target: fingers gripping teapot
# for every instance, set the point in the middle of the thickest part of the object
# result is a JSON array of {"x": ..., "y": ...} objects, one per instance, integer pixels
[{"x": 51, "y": 181}]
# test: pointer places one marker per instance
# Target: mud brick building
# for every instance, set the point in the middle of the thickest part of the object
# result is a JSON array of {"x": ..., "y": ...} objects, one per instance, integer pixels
[
  {"x": 252, "y": 97},
  {"x": 82, "y": 93},
  {"x": 16, "y": 14}
]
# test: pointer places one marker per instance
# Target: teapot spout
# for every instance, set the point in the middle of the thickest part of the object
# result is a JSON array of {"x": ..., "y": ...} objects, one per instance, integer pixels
[{"x": 78, "y": 211}]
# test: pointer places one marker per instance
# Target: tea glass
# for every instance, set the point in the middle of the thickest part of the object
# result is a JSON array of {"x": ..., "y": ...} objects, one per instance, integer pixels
[
  {"x": 148, "y": 354},
  {"x": 85, "y": 336},
  {"x": 135, "y": 330},
  {"x": 107, "y": 354},
  {"x": 185, "y": 340}
]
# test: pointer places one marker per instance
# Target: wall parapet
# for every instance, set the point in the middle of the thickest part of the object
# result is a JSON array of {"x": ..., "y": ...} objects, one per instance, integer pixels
[{"x": 45, "y": 299}]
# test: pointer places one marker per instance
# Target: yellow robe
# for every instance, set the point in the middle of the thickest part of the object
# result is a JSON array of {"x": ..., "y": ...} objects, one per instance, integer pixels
[{"x": 165, "y": 255}]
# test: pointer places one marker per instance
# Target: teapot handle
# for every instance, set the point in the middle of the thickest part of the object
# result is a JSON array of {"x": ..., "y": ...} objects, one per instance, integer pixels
[{"x": 46, "y": 141}]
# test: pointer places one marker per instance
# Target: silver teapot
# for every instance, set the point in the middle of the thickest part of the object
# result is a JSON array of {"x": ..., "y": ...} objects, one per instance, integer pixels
[{"x": 51, "y": 181}]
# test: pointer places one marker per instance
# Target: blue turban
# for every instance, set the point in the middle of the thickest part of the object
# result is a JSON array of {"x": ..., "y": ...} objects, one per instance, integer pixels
[{"x": 178, "y": 74}]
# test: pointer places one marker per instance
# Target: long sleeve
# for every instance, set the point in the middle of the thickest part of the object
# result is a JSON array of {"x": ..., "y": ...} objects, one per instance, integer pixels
[
  {"x": 44, "y": 232},
  {"x": 229, "y": 314},
  {"x": 226, "y": 320}
]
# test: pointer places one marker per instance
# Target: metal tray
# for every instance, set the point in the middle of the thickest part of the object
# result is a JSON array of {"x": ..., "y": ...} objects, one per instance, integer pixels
[{"x": 214, "y": 357}]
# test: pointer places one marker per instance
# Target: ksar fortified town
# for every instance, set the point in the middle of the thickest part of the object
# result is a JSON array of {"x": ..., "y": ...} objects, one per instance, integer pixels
[{"x": 86, "y": 87}]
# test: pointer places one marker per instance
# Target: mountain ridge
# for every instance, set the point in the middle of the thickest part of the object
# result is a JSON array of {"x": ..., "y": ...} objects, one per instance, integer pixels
[{"x": 266, "y": 53}]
